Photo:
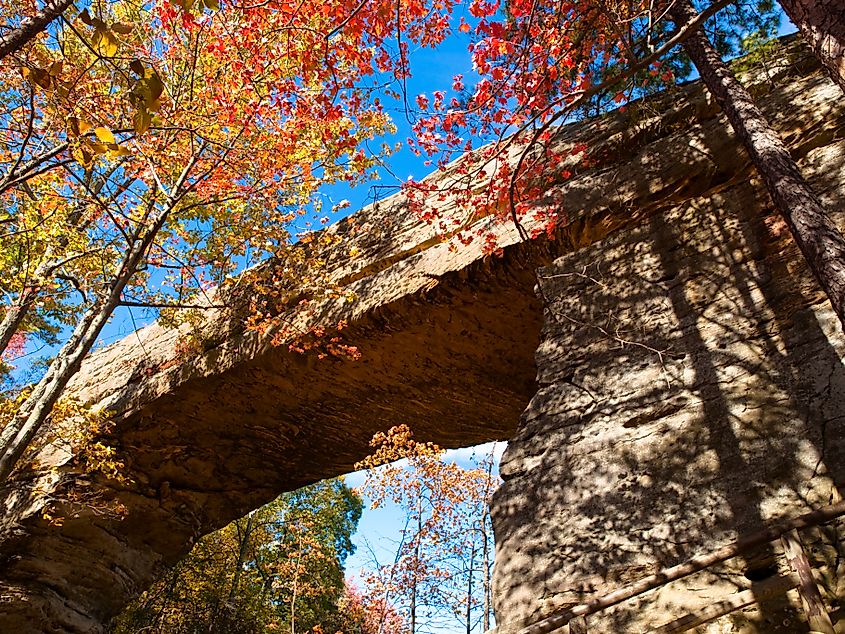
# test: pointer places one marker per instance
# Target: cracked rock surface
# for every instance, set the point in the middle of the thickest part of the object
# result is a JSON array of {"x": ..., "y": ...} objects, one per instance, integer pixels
[{"x": 691, "y": 389}]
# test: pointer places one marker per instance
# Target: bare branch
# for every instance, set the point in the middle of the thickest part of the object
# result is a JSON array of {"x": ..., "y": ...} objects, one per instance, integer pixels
[{"x": 30, "y": 27}]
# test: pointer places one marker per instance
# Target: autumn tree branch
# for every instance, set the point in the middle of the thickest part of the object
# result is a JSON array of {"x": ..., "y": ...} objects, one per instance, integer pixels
[{"x": 30, "y": 27}]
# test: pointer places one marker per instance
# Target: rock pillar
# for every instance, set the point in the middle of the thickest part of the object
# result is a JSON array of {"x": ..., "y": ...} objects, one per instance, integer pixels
[{"x": 691, "y": 389}]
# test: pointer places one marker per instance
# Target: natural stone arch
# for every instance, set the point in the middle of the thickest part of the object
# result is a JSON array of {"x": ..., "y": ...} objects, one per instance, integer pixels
[{"x": 448, "y": 341}]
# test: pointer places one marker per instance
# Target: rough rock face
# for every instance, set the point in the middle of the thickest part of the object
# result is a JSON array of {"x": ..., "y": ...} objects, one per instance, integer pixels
[
  {"x": 691, "y": 388},
  {"x": 447, "y": 340}
]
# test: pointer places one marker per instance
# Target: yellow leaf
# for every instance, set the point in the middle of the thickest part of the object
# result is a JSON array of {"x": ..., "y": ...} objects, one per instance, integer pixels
[
  {"x": 37, "y": 77},
  {"x": 153, "y": 84},
  {"x": 141, "y": 121},
  {"x": 82, "y": 155},
  {"x": 76, "y": 127},
  {"x": 97, "y": 148},
  {"x": 111, "y": 44},
  {"x": 104, "y": 134},
  {"x": 106, "y": 42},
  {"x": 118, "y": 150}
]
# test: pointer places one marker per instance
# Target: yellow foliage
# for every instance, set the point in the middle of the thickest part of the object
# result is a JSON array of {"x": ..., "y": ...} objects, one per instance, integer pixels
[{"x": 77, "y": 427}]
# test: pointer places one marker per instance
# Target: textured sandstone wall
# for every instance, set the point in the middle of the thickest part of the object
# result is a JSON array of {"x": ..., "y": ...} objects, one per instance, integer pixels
[{"x": 691, "y": 387}]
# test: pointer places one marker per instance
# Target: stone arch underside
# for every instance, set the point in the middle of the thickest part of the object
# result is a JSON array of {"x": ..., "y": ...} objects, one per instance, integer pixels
[{"x": 447, "y": 339}]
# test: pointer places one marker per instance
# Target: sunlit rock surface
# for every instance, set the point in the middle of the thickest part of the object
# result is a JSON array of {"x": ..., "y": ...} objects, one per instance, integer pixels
[
  {"x": 691, "y": 389},
  {"x": 448, "y": 340}
]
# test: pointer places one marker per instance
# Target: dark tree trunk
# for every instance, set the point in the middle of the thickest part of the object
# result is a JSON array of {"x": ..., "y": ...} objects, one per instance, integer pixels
[
  {"x": 822, "y": 23},
  {"x": 14, "y": 316},
  {"x": 818, "y": 238},
  {"x": 17, "y": 38},
  {"x": 244, "y": 545}
]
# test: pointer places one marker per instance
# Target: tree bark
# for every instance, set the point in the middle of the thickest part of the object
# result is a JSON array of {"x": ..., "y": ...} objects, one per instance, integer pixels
[
  {"x": 821, "y": 243},
  {"x": 469, "y": 588},
  {"x": 20, "y": 432},
  {"x": 17, "y": 436},
  {"x": 811, "y": 598},
  {"x": 236, "y": 577},
  {"x": 416, "y": 568},
  {"x": 295, "y": 587},
  {"x": 17, "y": 38},
  {"x": 487, "y": 568},
  {"x": 14, "y": 316},
  {"x": 17, "y": 312},
  {"x": 822, "y": 23}
]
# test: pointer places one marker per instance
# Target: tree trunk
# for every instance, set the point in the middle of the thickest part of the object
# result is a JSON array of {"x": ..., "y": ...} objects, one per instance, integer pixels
[
  {"x": 20, "y": 432},
  {"x": 13, "y": 317},
  {"x": 822, "y": 23},
  {"x": 820, "y": 241},
  {"x": 811, "y": 598},
  {"x": 236, "y": 577},
  {"x": 469, "y": 587},
  {"x": 486, "y": 569},
  {"x": 295, "y": 587},
  {"x": 414, "y": 593},
  {"x": 17, "y": 312},
  {"x": 17, "y": 436},
  {"x": 30, "y": 27}
]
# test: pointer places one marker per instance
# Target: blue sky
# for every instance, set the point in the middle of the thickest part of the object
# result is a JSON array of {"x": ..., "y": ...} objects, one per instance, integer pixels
[
  {"x": 431, "y": 70},
  {"x": 379, "y": 530}
]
